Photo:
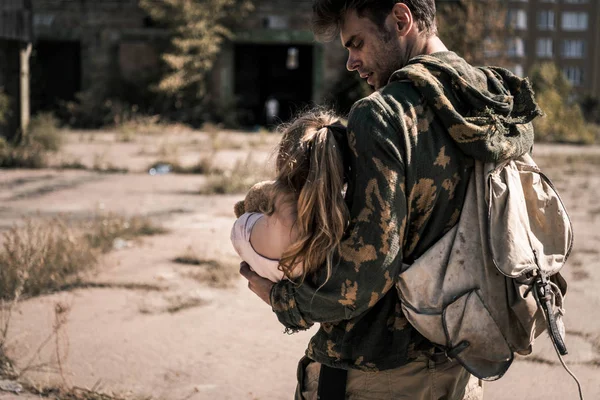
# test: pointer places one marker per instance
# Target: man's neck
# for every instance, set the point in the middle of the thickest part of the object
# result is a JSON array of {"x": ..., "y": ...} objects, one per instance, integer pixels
[
  {"x": 420, "y": 45},
  {"x": 433, "y": 44}
]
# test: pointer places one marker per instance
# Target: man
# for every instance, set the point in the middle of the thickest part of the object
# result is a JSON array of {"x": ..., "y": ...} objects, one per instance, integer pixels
[{"x": 411, "y": 143}]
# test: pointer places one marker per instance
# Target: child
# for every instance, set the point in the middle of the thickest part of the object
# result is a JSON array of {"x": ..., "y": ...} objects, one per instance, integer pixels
[{"x": 303, "y": 223}]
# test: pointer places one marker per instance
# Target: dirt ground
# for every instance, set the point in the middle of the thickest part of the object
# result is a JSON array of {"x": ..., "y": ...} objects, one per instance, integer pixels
[{"x": 172, "y": 337}]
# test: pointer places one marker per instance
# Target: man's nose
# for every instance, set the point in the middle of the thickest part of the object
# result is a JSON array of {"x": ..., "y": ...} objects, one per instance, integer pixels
[{"x": 352, "y": 64}]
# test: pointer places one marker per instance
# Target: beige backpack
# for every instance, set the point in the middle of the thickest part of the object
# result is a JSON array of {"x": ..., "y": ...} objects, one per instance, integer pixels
[{"x": 491, "y": 285}]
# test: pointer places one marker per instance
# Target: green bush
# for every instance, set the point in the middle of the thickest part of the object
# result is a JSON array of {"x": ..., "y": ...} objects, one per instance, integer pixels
[
  {"x": 564, "y": 121},
  {"x": 44, "y": 131},
  {"x": 22, "y": 156},
  {"x": 31, "y": 151}
]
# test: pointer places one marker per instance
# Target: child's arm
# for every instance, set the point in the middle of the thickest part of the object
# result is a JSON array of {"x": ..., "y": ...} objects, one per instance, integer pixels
[{"x": 273, "y": 234}]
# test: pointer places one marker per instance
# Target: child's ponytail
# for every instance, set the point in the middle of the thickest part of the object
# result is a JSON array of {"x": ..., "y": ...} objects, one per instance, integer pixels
[{"x": 310, "y": 165}]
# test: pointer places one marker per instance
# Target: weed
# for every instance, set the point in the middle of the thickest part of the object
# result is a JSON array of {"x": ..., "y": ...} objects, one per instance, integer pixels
[
  {"x": 110, "y": 169},
  {"x": 203, "y": 166},
  {"x": 215, "y": 273},
  {"x": 40, "y": 256},
  {"x": 238, "y": 180},
  {"x": 47, "y": 255},
  {"x": 103, "y": 230},
  {"x": 179, "y": 303},
  {"x": 190, "y": 258},
  {"x": 57, "y": 337},
  {"x": 142, "y": 124},
  {"x": 73, "y": 164},
  {"x": 168, "y": 150},
  {"x": 44, "y": 130},
  {"x": 103, "y": 166},
  {"x": 22, "y": 156}
]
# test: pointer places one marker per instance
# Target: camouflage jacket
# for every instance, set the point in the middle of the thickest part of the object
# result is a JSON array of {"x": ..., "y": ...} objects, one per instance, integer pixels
[{"x": 412, "y": 145}]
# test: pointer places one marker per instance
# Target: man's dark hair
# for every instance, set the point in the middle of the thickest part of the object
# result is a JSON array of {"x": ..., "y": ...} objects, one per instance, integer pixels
[{"x": 329, "y": 14}]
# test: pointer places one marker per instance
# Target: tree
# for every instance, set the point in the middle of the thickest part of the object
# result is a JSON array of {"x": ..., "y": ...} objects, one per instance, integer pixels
[
  {"x": 198, "y": 28},
  {"x": 474, "y": 29},
  {"x": 590, "y": 106},
  {"x": 564, "y": 120}
]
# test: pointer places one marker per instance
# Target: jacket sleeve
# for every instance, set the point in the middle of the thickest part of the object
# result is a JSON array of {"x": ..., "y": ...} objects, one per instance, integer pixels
[{"x": 371, "y": 253}]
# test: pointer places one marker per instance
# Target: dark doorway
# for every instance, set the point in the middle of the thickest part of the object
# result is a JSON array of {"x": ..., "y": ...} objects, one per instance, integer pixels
[
  {"x": 55, "y": 74},
  {"x": 262, "y": 72}
]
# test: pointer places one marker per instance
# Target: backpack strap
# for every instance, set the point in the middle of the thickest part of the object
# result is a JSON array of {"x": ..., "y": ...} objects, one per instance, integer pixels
[{"x": 544, "y": 293}]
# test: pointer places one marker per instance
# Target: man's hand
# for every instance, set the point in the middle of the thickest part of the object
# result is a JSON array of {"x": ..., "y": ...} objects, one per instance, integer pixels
[{"x": 259, "y": 285}]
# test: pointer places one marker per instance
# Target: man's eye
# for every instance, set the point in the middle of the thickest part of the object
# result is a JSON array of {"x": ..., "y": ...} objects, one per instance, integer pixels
[{"x": 358, "y": 45}]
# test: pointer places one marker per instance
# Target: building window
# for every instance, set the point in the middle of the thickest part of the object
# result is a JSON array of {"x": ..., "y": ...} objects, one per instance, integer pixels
[
  {"x": 544, "y": 47},
  {"x": 573, "y": 49},
  {"x": 517, "y": 69},
  {"x": 574, "y": 75},
  {"x": 492, "y": 47},
  {"x": 515, "y": 47},
  {"x": 577, "y": 1},
  {"x": 545, "y": 20},
  {"x": 517, "y": 19},
  {"x": 574, "y": 21}
]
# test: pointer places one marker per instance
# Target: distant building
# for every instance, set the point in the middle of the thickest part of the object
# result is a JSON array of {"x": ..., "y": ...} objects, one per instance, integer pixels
[
  {"x": 565, "y": 32},
  {"x": 85, "y": 44},
  {"x": 15, "y": 35}
]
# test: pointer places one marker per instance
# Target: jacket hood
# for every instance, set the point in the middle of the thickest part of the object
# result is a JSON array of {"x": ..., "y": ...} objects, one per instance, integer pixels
[{"x": 487, "y": 110}]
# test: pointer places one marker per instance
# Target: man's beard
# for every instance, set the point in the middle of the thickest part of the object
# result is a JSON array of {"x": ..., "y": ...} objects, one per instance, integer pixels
[{"x": 393, "y": 60}]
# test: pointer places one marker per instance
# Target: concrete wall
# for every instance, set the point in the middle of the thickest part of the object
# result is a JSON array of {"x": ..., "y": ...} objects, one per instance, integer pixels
[{"x": 111, "y": 34}]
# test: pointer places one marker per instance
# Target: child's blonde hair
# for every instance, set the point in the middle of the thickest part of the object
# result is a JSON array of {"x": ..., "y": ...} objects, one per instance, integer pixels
[{"x": 310, "y": 171}]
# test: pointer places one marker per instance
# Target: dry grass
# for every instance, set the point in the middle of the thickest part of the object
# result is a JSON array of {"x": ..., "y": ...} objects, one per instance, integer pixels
[
  {"x": 562, "y": 160},
  {"x": 20, "y": 156},
  {"x": 205, "y": 165},
  {"x": 38, "y": 363},
  {"x": 238, "y": 180},
  {"x": 41, "y": 256},
  {"x": 72, "y": 164},
  {"x": 77, "y": 393},
  {"x": 43, "y": 136},
  {"x": 128, "y": 131},
  {"x": 7, "y": 367},
  {"x": 214, "y": 273},
  {"x": 46, "y": 255},
  {"x": 103, "y": 230},
  {"x": 44, "y": 130},
  {"x": 103, "y": 166}
]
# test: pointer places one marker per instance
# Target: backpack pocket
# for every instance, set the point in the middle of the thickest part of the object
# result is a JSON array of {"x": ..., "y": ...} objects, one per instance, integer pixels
[
  {"x": 474, "y": 338},
  {"x": 528, "y": 226}
]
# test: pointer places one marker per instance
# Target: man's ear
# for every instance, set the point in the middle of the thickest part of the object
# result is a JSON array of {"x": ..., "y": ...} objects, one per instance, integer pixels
[{"x": 403, "y": 19}]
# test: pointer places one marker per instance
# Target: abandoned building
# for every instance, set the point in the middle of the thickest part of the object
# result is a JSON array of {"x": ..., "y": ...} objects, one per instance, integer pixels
[{"x": 81, "y": 43}]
